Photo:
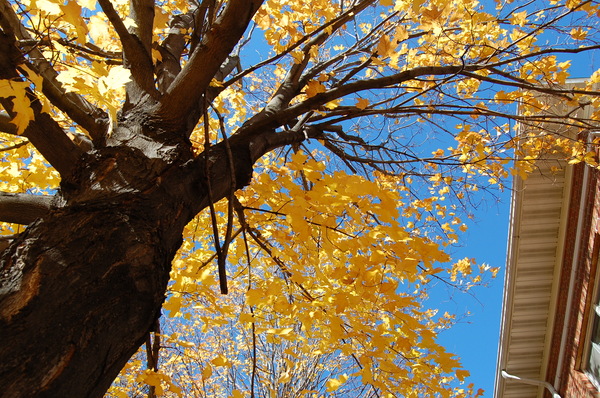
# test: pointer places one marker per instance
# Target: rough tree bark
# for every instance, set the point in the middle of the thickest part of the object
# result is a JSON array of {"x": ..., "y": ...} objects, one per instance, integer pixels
[{"x": 82, "y": 286}]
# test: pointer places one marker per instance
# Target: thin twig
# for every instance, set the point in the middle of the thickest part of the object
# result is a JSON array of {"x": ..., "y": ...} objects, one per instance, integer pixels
[
  {"x": 213, "y": 214},
  {"x": 222, "y": 257}
]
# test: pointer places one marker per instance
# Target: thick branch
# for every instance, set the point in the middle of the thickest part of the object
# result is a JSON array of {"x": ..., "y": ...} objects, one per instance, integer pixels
[
  {"x": 256, "y": 125},
  {"x": 171, "y": 50},
  {"x": 49, "y": 138},
  {"x": 269, "y": 141},
  {"x": 43, "y": 131},
  {"x": 22, "y": 208},
  {"x": 192, "y": 82},
  {"x": 91, "y": 118},
  {"x": 135, "y": 57},
  {"x": 142, "y": 12},
  {"x": 6, "y": 126}
]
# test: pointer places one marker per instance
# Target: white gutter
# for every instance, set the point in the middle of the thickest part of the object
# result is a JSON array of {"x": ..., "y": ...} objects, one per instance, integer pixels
[
  {"x": 507, "y": 300},
  {"x": 525, "y": 380}
]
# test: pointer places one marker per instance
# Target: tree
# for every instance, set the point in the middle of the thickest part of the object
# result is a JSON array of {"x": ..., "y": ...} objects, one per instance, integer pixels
[{"x": 367, "y": 125}]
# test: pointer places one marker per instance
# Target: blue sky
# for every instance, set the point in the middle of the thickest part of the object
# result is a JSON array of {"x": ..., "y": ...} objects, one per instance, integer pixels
[{"x": 475, "y": 338}]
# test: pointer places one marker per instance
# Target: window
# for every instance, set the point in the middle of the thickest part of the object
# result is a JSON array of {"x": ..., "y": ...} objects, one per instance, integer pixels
[
  {"x": 591, "y": 358},
  {"x": 592, "y": 367}
]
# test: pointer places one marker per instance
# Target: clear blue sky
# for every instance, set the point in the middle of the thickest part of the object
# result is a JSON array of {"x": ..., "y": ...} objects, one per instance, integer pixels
[{"x": 475, "y": 338}]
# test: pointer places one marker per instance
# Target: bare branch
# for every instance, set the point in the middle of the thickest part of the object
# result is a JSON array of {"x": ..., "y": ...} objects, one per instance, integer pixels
[
  {"x": 254, "y": 126},
  {"x": 22, "y": 208}
]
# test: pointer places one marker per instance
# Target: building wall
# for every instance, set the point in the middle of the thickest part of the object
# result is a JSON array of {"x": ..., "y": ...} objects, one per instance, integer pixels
[{"x": 572, "y": 381}]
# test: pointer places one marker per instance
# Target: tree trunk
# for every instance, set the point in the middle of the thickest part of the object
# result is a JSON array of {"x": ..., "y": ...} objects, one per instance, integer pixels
[{"x": 82, "y": 286}]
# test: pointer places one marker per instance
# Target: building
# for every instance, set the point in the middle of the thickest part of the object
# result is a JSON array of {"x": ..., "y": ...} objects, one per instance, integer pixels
[{"x": 550, "y": 328}]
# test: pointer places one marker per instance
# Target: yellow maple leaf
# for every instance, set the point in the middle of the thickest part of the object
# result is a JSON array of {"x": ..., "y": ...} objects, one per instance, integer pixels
[
  {"x": 280, "y": 332},
  {"x": 237, "y": 394},
  {"x": 362, "y": 103},
  {"x": 245, "y": 317},
  {"x": 89, "y": 4},
  {"x": 117, "y": 77},
  {"x": 384, "y": 47},
  {"x": 50, "y": 7},
  {"x": 334, "y": 384},
  {"x": 313, "y": 88},
  {"x": 333, "y": 104},
  {"x": 220, "y": 360},
  {"x": 206, "y": 372},
  {"x": 33, "y": 77},
  {"x": 72, "y": 14},
  {"x": 284, "y": 378},
  {"x": 16, "y": 91},
  {"x": 519, "y": 18},
  {"x": 579, "y": 33}
]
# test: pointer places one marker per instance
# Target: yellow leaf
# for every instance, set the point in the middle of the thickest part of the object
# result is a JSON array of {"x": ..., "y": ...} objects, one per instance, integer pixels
[
  {"x": 161, "y": 18},
  {"x": 254, "y": 296},
  {"x": 220, "y": 360},
  {"x": 206, "y": 372},
  {"x": 72, "y": 14},
  {"x": 279, "y": 331},
  {"x": 313, "y": 88},
  {"x": 173, "y": 304},
  {"x": 401, "y": 34},
  {"x": 89, "y": 4},
  {"x": 245, "y": 317},
  {"x": 156, "y": 55},
  {"x": 152, "y": 379},
  {"x": 579, "y": 33},
  {"x": 16, "y": 91},
  {"x": 362, "y": 103},
  {"x": 384, "y": 48},
  {"x": 284, "y": 378},
  {"x": 237, "y": 394},
  {"x": 33, "y": 77},
  {"x": 519, "y": 18},
  {"x": 117, "y": 77},
  {"x": 334, "y": 384},
  {"x": 333, "y": 104},
  {"x": 49, "y": 6}
]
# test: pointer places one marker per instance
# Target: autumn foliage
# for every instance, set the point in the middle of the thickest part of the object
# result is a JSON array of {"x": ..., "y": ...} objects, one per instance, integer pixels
[{"x": 318, "y": 157}]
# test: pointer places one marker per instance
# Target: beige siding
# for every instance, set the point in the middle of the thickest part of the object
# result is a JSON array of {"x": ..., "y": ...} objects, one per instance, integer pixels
[{"x": 537, "y": 224}]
